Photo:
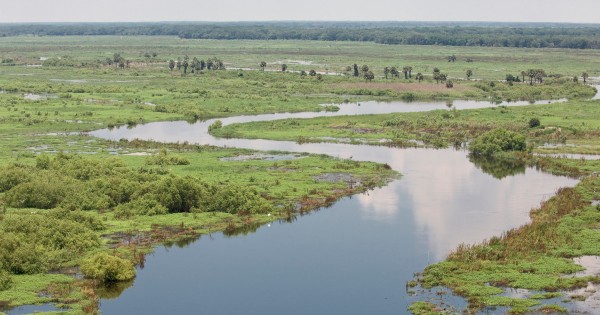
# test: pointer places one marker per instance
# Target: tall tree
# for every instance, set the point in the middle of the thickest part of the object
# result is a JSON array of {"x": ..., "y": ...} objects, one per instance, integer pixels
[
  {"x": 523, "y": 74},
  {"x": 585, "y": 76},
  {"x": 284, "y": 67},
  {"x": 469, "y": 74},
  {"x": 531, "y": 74},
  {"x": 405, "y": 71},
  {"x": 364, "y": 69},
  {"x": 369, "y": 75},
  {"x": 171, "y": 64},
  {"x": 117, "y": 58},
  {"x": 419, "y": 77},
  {"x": 186, "y": 64},
  {"x": 386, "y": 72},
  {"x": 395, "y": 73},
  {"x": 263, "y": 65},
  {"x": 355, "y": 66},
  {"x": 410, "y": 69},
  {"x": 436, "y": 75}
]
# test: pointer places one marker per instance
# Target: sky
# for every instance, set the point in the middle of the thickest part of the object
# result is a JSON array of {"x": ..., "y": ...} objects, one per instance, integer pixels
[{"x": 576, "y": 11}]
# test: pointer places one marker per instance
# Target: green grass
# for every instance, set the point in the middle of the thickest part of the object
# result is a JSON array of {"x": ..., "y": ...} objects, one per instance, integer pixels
[{"x": 91, "y": 96}]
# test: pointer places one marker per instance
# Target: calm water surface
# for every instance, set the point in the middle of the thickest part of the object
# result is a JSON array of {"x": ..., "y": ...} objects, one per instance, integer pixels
[{"x": 352, "y": 258}]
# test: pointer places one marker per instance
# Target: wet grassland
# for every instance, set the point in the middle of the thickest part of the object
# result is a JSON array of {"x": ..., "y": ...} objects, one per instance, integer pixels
[{"x": 78, "y": 210}]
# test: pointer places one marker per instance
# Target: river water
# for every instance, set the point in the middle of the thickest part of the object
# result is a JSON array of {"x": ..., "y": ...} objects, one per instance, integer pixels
[{"x": 354, "y": 257}]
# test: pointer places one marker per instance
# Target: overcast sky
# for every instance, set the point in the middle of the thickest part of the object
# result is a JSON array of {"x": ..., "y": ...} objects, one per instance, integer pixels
[{"x": 581, "y": 11}]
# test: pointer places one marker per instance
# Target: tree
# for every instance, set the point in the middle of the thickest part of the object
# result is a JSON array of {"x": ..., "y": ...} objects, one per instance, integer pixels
[
  {"x": 531, "y": 75},
  {"x": 436, "y": 75},
  {"x": 469, "y": 74},
  {"x": 364, "y": 69},
  {"x": 195, "y": 65},
  {"x": 369, "y": 75},
  {"x": 355, "y": 70},
  {"x": 262, "y": 65},
  {"x": 523, "y": 74},
  {"x": 117, "y": 58},
  {"x": 386, "y": 72},
  {"x": 452, "y": 58},
  {"x": 348, "y": 70},
  {"x": 178, "y": 64},
  {"x": 395, "y": 73},
  {"x": 585, "y": 76},
  {"x": 405, "y": 71},
  {"x": 443, "y": 77},
  {"x": 171, "y": 64},
  {"x": 284, "y": 67},
  {"x": 302, "y": 73},
  {"x": 312, "y": 72},
  {"x": 185, "y": 65},
  {"x": 202, "y": 65},
  {"x": 410, "y": 69},
  {"x": 419, "y": 77},
  {"x": 209, "y": 64}
]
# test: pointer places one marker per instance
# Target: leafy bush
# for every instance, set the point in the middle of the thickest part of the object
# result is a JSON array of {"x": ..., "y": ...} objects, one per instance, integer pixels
[
  {"x": 534, "y": 122},
  {"x": 5, "y": 280},
  {"x": 45, "y": 191},
  {"x": 107, "y": 268},
  {"x": 33, "y": 243},
  {"x": 216, "y": 125},
  {"x": 142, "y": 206},
  {"x": 234, "y": 199},
  {"x": 163, "y": 158},
  {"x": 11, "y": 176},
  {"x": 497, "y": 140}
]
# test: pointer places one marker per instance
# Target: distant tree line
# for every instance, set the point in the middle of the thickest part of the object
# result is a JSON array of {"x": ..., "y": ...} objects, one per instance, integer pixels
[{"x": 581, "y": 36}]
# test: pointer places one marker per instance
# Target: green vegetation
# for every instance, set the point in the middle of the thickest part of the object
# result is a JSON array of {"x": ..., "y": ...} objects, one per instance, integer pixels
[
  {"x": 497, "y": 141},
  {"x": 399, "y": 33},
  {"x": 69, "y": 200},
  {"x": 107, "y": 268}
]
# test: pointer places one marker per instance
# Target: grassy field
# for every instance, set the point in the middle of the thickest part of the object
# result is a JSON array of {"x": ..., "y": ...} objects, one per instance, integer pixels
[
  {"x": 488, "y": 63},
  {"x": 574, "y": 125},
  {"x": 47, "y": 107}
]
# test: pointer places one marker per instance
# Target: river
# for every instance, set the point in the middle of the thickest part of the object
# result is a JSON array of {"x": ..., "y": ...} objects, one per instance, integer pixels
[{"x": 354, "y": 257}]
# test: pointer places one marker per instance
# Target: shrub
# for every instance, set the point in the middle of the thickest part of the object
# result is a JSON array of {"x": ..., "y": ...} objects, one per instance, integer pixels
[
  {"x": 497, "y": 140},
  {"x": 534, "y": 122},
  {"x": 43, "y": 192},
  {"x": 216, "y": 125},
  {"x": 5, "y": 280},
  {"x": 107, "y": 268},
  {"x": 11, "y": 176}
]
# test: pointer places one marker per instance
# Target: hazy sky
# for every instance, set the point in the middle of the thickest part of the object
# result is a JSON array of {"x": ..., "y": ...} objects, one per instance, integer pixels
[{"x": 585, "y": 11}]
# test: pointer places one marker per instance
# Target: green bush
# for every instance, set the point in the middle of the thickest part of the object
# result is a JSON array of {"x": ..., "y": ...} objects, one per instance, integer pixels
[
  {"x": 33, "y": 243},
  {"x": 13, "y": 175},
  {"x": 5, "y": 280},
  {"x": 534, "y": 122},
  {"x": 497, "y": 140},
  {"x": 45, "y": 191},
  {"x": 107, "y": 268},
  {"x": 142, "y": 206}
]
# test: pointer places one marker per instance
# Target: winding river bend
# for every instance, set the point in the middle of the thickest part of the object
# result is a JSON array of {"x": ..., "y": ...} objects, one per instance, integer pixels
[{"x": 352, "y": 258}]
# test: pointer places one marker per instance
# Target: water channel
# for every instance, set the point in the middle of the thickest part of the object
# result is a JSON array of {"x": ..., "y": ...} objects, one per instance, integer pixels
[{"x": 354, "y": 257}]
